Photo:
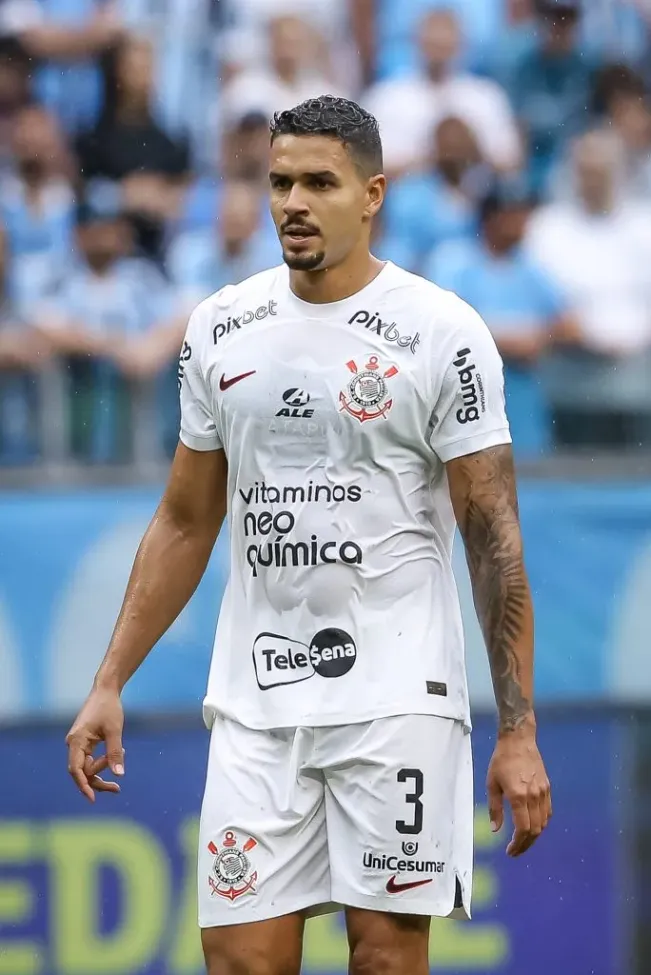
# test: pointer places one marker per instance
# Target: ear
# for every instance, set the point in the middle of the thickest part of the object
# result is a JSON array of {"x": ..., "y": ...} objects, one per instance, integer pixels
[{"x": 375, "y": 192}]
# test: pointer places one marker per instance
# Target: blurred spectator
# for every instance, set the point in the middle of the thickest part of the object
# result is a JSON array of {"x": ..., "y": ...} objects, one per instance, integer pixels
[
  {"x": 128, "y": 146},
  {"x": 622, "y": 95},
  {"x": 293, "y": 74},
  {"x": 235, "y": 247},
  {"x": 37, "y": 203},
  {"x": 59, "y": 40},
  {"x": 108, "y": 299},
  {"x": 127, "y": 139},
  {"x": 15, "y": 94},
  {"x": 108, "y": 296},
  {"x": 409, "y": 108},
  {"x": 21, "y": 352},
  {"x": 424, "y": 210},
  {"x": 343, "y": 32},
  {"x": 517, "y": 299},
  {"x": 551, "y": 85},
  {"x": 245, "y": 157},
  {"x": 598, "y": 250},
  {"x": 620, "y": 106},
  {"x": 397, "y": 23}
]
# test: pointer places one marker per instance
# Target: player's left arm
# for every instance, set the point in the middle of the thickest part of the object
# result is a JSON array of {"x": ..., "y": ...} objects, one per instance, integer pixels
[{"x": 484, "y": 497}]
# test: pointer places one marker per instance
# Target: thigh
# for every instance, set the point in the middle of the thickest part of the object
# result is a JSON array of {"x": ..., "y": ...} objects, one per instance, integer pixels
[
  {"x": 400, "y": 816},
  {"x": 272, "y": 947},
  {"x": 262, "y": 845}
]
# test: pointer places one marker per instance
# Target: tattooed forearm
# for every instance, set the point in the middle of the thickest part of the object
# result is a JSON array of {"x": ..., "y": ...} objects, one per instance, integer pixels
[{"x": 482, "y": 487}]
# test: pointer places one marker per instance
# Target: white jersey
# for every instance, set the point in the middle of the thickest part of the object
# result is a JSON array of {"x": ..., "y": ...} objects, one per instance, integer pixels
[{"x": 337, "y": 420}]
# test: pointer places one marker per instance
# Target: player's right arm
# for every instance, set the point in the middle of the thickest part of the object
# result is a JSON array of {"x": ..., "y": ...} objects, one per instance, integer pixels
[{"x": 168, "y": 567}]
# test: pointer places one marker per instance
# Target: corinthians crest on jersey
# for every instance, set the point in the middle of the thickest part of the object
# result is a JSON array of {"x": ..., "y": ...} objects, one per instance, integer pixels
[
  {"x": 368, "y": 395},
  {"x": 232, "y": 874}
]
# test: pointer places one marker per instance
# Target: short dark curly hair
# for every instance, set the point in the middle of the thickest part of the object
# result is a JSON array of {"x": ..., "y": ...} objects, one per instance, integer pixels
[{"x": 341, "y": 119}]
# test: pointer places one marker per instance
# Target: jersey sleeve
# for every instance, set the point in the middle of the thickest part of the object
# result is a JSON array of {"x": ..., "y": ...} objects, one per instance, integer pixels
[
  {"x": 470, "y": 412},
  {"x": 198, "y": 427}
]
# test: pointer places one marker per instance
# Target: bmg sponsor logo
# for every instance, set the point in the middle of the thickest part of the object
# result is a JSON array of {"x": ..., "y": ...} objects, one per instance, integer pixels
[
  {"x": 235, "y": 322},
  {"x": 386, "y": 330},
  {"x": 472, "y": 388},
  {"x": 186, "y": 355},
  {"x": 279, "y": 660}
]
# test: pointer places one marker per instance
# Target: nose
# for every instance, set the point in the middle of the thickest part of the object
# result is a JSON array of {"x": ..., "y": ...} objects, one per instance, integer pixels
[{"x": 296, "y": 202}]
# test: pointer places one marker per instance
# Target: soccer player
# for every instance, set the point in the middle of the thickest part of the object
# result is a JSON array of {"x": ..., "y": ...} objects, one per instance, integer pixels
[{"x": 341, "y": 413}]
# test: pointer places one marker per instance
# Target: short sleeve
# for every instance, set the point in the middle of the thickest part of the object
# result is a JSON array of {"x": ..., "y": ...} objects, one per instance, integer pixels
[
  {"x": 198, "y": 428},
  {"x": 470, "y": 413}
]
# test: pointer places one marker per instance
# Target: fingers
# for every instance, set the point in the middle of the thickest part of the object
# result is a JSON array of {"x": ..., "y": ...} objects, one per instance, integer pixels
[
  {"x": 100, "y": 785},
  {"x": 115, "y": 752},
  {"x": 77, "y": 757},
  {"x": 531, "y": 814},
  {"x": 495, "y": 806},
  {"x": 92, "y": 771},
  {"x": 522, "y": 826}
]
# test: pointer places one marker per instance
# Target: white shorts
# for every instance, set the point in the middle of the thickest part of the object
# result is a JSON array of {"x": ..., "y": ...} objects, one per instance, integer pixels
[{"x": 376, "y": 815}]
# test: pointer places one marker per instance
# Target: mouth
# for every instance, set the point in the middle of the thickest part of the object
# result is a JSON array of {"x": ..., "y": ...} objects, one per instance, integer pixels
[{"x": 299, "y": 235}]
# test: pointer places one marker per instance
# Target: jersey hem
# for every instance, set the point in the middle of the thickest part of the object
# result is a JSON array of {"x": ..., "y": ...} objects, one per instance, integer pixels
[
  {"x": 307, "y": 720},
  {"x": 194, "y": 442},
  {"x": 309, "y": 905},
  {"x": 440, "y": 907},
  {"x": 470, "y": 445}
]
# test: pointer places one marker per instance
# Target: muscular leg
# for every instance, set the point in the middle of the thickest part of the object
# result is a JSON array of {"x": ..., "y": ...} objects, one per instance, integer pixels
[
  {"x": 271, "y": 947},
  {"x": 387, "y": 944}
]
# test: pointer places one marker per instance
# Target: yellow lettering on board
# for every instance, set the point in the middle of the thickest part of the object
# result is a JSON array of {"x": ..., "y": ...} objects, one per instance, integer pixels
[
  {"x": 77, "y": 850},
  {"x": 18, "y": 846},
  {"x": 186, "y": 956}
]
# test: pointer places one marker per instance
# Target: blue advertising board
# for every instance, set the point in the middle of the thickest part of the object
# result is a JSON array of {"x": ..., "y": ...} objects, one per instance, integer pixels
[
  {"x": 110, "y": 889},
  {"x": 65, "y": 559}
]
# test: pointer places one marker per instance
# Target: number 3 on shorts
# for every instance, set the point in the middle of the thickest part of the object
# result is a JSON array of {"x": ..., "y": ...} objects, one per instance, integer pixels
[{"x": 413, "y": 798}]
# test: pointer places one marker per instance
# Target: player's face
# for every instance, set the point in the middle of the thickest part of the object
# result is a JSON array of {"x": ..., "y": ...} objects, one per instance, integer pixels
[{"x": 320, "y": 203}]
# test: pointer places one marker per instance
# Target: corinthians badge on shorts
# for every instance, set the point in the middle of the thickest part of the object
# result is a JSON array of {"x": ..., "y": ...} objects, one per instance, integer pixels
[
  {"x": 367, "y": 395},
  {"x": 231, "y": 872}
]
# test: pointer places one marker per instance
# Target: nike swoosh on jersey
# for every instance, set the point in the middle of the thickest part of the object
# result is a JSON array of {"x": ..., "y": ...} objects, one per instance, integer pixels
[
  {"x": 227, "y": 383},
  {"x": 394, "y": 888}
]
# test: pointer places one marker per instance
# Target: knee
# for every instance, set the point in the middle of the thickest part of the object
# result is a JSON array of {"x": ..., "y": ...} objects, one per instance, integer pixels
[
  {"x": 369, "y": 958},
  {"x": 232, "y": 957}
]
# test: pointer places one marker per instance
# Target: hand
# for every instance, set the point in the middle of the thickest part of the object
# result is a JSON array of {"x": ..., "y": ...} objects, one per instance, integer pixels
[
  {"x": 100, "y": 719},
  {"x": 517, "y": 772}
]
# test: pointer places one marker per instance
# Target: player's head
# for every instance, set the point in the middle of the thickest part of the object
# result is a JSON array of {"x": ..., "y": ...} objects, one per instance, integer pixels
[{"x": 326, "y": 180}]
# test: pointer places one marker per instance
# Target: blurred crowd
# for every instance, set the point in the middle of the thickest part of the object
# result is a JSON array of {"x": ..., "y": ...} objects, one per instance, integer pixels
[{"x": 133, "y": 153}]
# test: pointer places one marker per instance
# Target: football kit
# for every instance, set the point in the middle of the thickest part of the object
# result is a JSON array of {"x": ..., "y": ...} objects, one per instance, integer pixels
[{"x": 340, "y": 765}]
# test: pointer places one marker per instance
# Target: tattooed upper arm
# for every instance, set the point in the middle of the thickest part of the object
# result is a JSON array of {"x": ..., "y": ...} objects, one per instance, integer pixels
[{"x": 483, "y": 494}]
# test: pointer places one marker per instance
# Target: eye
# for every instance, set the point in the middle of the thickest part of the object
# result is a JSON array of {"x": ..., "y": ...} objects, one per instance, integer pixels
[
  {"x": 319, "y": 183},
  {"x": 280, "y": 183}
]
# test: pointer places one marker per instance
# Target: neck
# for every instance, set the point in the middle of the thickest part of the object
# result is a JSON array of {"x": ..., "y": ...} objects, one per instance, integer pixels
[
  {"x": 233, "y": 248},
  {"x": 132, "y": 110},
  {"x": 287, "y": 72},
  {"x": 437, "y": 72},
  {"x": 597, "y": 205},
  {"x": 336, "y": 283}
]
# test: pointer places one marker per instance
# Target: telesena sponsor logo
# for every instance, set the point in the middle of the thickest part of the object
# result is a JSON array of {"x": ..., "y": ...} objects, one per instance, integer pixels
[
  {"x": 386, "y": 330},
  {"x": 235, "y": 322},
  {"x": 279, "y": 660},
  {"x": 395, "y": 864},
  {"x": 472, "y": 388}
]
